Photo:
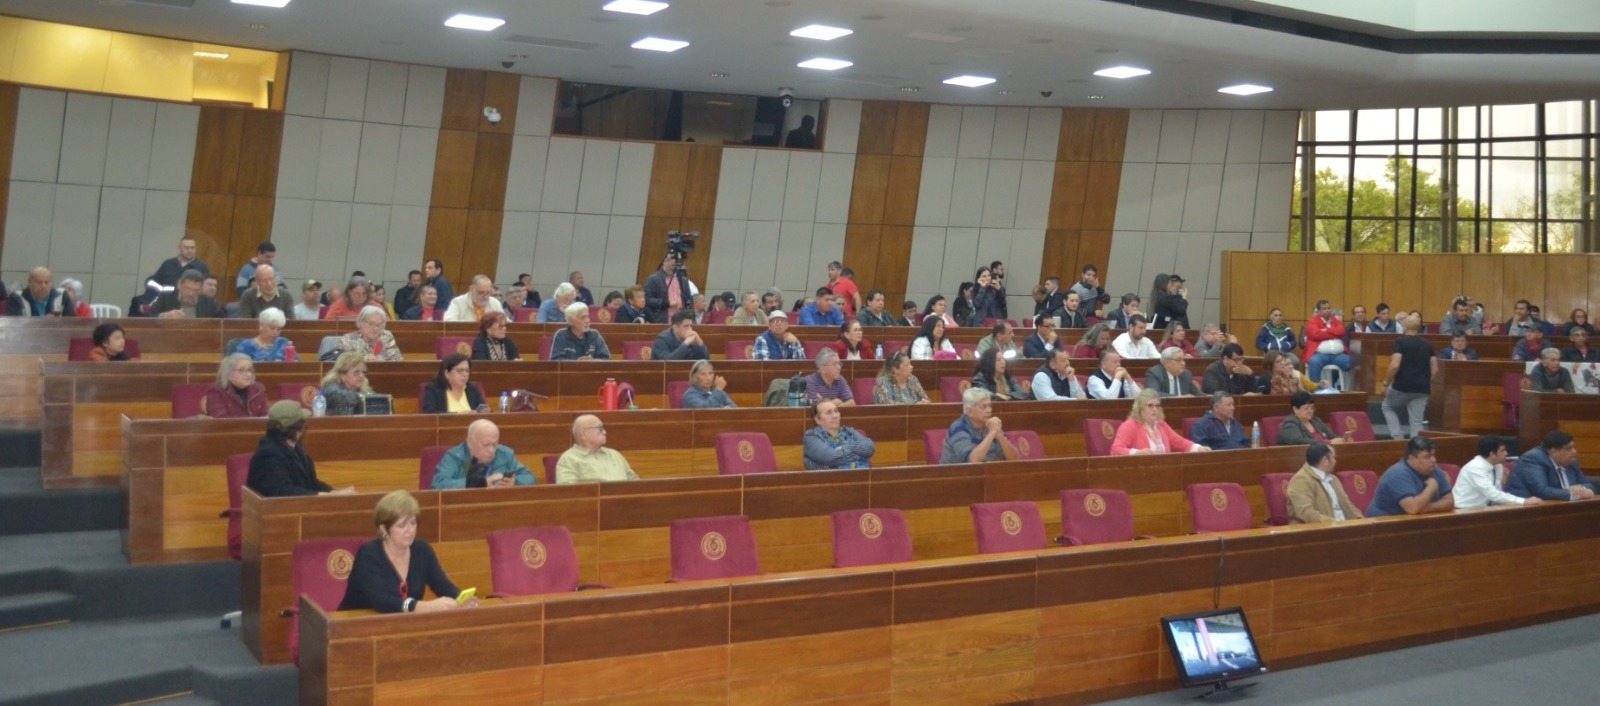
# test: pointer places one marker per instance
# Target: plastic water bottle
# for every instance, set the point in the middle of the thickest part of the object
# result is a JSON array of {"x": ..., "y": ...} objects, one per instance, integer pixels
[
  {"x": 1255, "y": 435},
  {"x": 505, "y": 401},
  {"x": 319, "y": 405},
  {"x": 880, "y": 351}
]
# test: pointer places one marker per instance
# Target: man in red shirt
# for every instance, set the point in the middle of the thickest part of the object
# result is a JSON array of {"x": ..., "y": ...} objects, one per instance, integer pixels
[
  {"x": 1323, "y": 327},
  {"x": 842, "y": 282}
]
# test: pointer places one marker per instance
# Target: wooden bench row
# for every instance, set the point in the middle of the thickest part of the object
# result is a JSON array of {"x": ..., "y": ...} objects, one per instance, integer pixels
[
  {"x": 1076, "y": 625},
  {"x": 83, "y": 402},
  {"x": 176, "y": 483},
  {"x": 620, "y": 529}
]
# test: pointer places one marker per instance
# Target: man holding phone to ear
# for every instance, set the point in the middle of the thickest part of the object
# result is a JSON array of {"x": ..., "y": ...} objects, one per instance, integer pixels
[{"x": 481, "y": 462}]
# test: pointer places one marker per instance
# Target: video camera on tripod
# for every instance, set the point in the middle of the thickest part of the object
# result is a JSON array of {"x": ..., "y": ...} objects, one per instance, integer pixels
[{"x": 680, "y": 244}]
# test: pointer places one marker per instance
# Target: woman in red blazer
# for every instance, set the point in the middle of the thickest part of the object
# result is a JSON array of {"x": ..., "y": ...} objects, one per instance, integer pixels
[
  {"x": 851, "y": 345},
  {"x": 236, "y": 394},
  {"x": 1146, "y": 431}
]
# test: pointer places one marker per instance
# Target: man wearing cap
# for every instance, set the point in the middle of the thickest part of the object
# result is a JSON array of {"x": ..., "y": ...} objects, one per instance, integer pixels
[
  {"x": 777, "y": 343},
  {"x": 310, "y": 306},
  {"x": 1172, "y": 303},
  {"x": 481, "y": 462},
  {"x": 280, "y": 466}
]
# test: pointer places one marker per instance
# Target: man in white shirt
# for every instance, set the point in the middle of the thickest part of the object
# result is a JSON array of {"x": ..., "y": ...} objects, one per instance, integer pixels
[
  {"x": 1111, "y": 381},
  {"x": 478, "y": 300},
  {"x": 310, "y": 306},
  {"x": 1314, "y": 494},
  {"x": 1056, "y": 380},
  {"x": 1133, "y": 343},
  {"x": 1482, "y": 480}
]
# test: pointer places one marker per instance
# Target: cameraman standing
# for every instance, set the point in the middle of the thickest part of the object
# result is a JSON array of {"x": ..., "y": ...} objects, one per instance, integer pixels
[{"x": 667, "y": 290}]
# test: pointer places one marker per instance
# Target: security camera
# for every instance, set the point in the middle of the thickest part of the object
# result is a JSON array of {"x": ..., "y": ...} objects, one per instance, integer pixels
[
  {"x": 786, "y": 96},
  {"x": 508, "y": 63},
  {"x": 1046, "y": 94},
  {"x": 492, "y": 115}
]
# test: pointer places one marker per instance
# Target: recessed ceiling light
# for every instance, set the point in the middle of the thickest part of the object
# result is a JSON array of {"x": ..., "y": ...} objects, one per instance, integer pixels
[
  {"x": 825, "y": 64},
  {"x": 218, "y": 55},
  {"x": 1122, "y": 72},
  {"x": 822, "y": 32},
  {"x": 635, "y": 7},
  {"x": 659, "y": 44},
  {"x": 1245, "y": 89},
  {"x": 462, "y": 20},
  {"x": 263, "y": 3},
  {"x": 969, "y": 81}
]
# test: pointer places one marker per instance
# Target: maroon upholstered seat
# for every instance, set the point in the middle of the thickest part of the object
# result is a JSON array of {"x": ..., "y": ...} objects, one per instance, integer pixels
[
  {"x": 302, "y": 392},
  {"x": 188, "y": 399},
  {"x": 739, "y": 349},
  {"x": 602, "y": 314},
  {"x": 1269, "y": 430},
  {"x": 951, "y": 387},
  {"x": 675, "y": 390},
  {"x": 1275, "y": 486},
  {"x": 870, "y": 536},
  {"x": 1098, "y": 435},
  {"x": 320, "y": 569},
  {"x": 933, "y": 445},
  {"x": 713, "y": 318},
  {"x": 713, "y": 548},
  {"x": 1361, "y": 486},
  {"x": 1029, "y": 446},
  {"x": 1218, "y": 507},
  {"x": 861, "y": 387},
  {"x": 1452, "y": 471},
  {"x": 532, "y": 561},
  {"x": 636, "y": 350},
  {"x": 739, "y": 453},
  {"x": 445, "y": 345},
  {"x": 428, "y": 463},
  {"x": 550, "y": 461},
  {"x": 1008, "y": 527},
  {"x": 1096, "y": 516},
  {"x": 1355, "y": 423},
  {"x": 78, "y": 348}
]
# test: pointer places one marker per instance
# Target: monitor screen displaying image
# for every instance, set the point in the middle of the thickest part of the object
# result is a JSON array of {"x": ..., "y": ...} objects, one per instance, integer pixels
[{"x": 1212, "y": 646}]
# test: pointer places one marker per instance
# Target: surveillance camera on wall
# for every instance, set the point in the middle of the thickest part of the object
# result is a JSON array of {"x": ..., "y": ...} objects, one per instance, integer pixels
[
  {"x": 1047, "y": 94},
  {"x": 508, "y": 63},
  {"x": 786, "y": 96},
  {"x": 492, "y": 115}
]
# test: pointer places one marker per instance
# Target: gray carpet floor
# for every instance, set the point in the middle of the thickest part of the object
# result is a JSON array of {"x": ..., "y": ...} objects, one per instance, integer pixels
[{"x": 1549, "y": 665}]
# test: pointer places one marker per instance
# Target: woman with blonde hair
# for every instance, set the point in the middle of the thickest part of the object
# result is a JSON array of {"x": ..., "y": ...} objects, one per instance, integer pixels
[
  {"x": 391, "y": 572},
  {"x": 371, "y": 338},
  {"x": 1146, "y": 431},
  {"x": 896, "y": 384},
  {"x": 344, "y": 385}
]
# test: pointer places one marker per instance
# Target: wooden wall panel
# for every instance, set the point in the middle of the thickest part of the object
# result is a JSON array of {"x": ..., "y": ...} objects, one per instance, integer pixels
[
  {"x": 1566, "y": 287},
  {"x": 1100, "y": 200},
  {"x": 1076, "y": 142},
  {"x": 233, "y": 183},
  {"x": 1322, "y": 278},
  {"x": 1441, "y": 283},
  {"x": 877, "y": 128},
  {"x": 1524, "y": 278},
  {"x": 910, "y": 129},
  {"x": 870, "y": 189},
  {"x": 8, "y": 138},
  {"x": 1363, "y": 281},
  {"x": 884, "y": 194},
  {"x": 1083, "y": 195},
  {"x": 1110, "y": 135},
  {"x": 471, "y": 165},
  {"x": 1483, "y": 279},
  {"x": 1402, "y": 281}
]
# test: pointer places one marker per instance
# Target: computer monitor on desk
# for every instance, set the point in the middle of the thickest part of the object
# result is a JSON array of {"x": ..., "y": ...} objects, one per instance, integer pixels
[{"x": 1213, "y": 647}]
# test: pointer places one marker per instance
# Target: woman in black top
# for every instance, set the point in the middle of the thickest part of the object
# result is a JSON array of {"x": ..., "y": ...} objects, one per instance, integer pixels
[
  {"x": 1171, "y": 302},
  {"x": 452, "y": 384},
  {"x": 281, "y": 467},
  {"x": 963, "y": 305},
  {"x": 990, "y": 374},
  {"x": 985, "y": 298},
  {"x": 492, "y": 342},
  {"x": 390, "y": 572}
]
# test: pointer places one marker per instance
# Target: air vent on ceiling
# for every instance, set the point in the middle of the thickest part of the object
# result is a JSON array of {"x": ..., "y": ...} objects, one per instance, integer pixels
[
  {"x": 551, "y": 42},
  {"x": 181, "y": 4},
  {"x": 935, "y": 37}
]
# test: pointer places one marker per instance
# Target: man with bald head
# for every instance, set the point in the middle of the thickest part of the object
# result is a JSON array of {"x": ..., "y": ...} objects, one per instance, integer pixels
[
  {"x": 40, "y": 298},
  {"x": 481, "y": 462},
  {"x": 590, "y": 460},
  {"x": 478, "y": 300},
  {"x": 265, "y": 293}
]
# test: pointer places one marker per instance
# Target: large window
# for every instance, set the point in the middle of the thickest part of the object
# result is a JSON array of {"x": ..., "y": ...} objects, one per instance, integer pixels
[{"x": 1504, "y": 178}]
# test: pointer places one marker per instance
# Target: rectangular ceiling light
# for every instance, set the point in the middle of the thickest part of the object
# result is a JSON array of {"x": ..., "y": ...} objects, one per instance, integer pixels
[
  {"x": 635, "y": 7},
  {"x": 825, "y": 64},
  {"x": 1122, "y": 72},
  {"x": 659, "y": 44},
  {"x": 462, "y": 20},
  {"x": 218, "y": 55},
  {"x": 969, "y": 81},
  {"x": 1245, "y": 89},
  {"x": 263, "y": 3},
  {"x": 822, "y": 32}
]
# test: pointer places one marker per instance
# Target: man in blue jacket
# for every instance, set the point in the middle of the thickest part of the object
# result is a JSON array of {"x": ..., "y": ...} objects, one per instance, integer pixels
[
  {"x": 822, "y": 312},
  {"x": 1551, "y": 471},
  {"x": 481, "y": 462}
]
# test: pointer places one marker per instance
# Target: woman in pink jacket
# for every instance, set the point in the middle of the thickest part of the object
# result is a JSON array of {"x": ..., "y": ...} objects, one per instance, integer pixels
[{"x": 1146, "y": 431}]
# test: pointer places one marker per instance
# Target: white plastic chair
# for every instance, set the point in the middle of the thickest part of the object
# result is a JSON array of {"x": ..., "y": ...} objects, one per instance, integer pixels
[
  {"x": 106, "y": 311},
  {"x": 1343, "y": 377}
]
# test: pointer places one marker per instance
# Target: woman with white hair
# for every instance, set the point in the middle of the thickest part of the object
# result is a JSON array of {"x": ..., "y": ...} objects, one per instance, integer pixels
[
  {"x": 267, "y": 346},
  {"x": 83, "y": 310},
  {"x": 577, "y": 341},
  {"x": 370, "y": 338},
  {"x": 553, "y": 309},
  {"x": 236, "y": 394},
  {"x": 707, "y": 390}
]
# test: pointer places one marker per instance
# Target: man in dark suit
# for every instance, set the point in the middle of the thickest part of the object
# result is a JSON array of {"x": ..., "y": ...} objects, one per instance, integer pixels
[
  {"x": 187, "y": 302},
  {"x": 1171, "y": 378},
  {"x": 1551, "y": 471},
  {"x": 666, "y": 291},
  {"x": 1120, "y": 317},
  {"x": 1054, "y": 298}
]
